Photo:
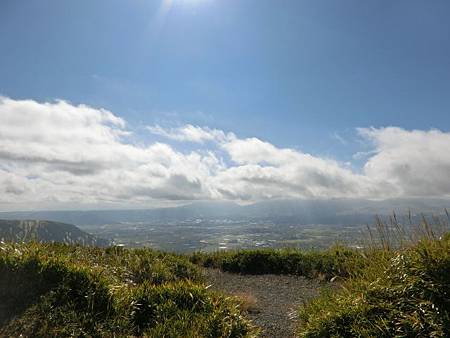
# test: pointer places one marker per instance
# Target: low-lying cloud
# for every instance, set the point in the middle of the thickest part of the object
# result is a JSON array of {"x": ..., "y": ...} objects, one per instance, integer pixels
[
  {"x": 417, "y": 162},
  {"x": 58, "y": 153}
]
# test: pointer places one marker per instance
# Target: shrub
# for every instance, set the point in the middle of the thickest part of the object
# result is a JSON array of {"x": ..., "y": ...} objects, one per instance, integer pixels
[
  {"x": 183, "y": 309},
  {"x": 337, "y": 261}
]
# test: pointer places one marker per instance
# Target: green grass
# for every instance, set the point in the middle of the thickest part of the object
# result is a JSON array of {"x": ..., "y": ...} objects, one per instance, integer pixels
[
  {"x": 402, "y": 292},
  {"x": 59, "y": 290},
  {"x": 397, "y": 286},
  {"x": 337, "y": 261}
]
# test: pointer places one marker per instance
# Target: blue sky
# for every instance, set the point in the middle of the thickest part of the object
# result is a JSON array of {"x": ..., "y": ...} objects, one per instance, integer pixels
[
  {"x": 296, "y": 74},
  {"x": 292, "y": 72}
]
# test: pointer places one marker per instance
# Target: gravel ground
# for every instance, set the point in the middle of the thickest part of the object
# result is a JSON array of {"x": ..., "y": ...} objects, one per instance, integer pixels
[{"x": 272, "y": 300}]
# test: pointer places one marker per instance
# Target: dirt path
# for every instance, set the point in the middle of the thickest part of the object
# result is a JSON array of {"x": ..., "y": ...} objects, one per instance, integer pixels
[{"x": 272, "y": 300}]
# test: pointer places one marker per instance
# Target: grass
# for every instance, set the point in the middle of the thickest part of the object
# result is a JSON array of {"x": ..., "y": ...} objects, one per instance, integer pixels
[
  {"x": 338, "y": 261},
  {"x": 59, "y": 290},
  {"x": 403, "y": 291},
  {"x": 397, "y": 286}
]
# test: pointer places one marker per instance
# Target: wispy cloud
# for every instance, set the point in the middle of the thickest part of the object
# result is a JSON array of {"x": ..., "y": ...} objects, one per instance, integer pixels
[
  {"x": 190, "y": 133},
  {"x": 339, "y": 138}
]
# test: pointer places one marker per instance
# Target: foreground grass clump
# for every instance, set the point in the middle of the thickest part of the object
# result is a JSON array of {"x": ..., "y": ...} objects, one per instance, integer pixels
[
  {"x": 337, "y": 261},
  {"x": 59, "y": 290},
  {"x": 402, "y": 293}
]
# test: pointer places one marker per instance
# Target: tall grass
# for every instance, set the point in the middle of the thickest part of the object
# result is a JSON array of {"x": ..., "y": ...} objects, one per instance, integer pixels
[
  {"x": 397, "y": 285},
  {"x": 403, "y": 291},
  {"x": 338, "y": 261},
  {"x": 52, "y": 290},
  {"x": 393, "y": 234}
]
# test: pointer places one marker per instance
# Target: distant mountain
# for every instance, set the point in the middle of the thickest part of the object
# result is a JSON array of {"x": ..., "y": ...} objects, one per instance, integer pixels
[
  {"x": 46, "y": 231},
  {"x": 297, "y": 211}
]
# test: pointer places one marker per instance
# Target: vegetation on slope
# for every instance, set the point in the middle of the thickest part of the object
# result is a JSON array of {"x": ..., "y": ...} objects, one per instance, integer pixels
[
  {"x": 397, "y": 286},
  {"x": 401, "y": 293},
  {"x": 337, "y": 261},
  {"x": 59, "y": 290},
  {"x": 47, "y": 232}
]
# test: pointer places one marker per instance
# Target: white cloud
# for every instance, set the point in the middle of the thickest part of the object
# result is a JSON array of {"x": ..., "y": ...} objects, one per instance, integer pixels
[
  {"x": 56, "y": 153},
  {"x": 191, "y": 133},
  {"x": 416, "y": 162},
  {"x": 265, "y": 171}
]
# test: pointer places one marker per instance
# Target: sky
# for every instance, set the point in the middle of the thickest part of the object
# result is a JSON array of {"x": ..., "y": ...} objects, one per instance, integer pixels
[{"x": 147, "y": 103}]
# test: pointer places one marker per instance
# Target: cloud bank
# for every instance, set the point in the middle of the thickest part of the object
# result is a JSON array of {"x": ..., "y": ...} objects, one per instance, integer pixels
[{"x": 57, "y": 153}]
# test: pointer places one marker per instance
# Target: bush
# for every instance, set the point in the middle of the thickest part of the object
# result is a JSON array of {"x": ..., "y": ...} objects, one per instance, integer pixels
[
  {"x": 183, "y": 310},
  {"x": 337, "y": 261}
]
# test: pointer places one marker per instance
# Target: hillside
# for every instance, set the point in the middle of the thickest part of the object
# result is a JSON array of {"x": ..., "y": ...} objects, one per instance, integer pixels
[
  {"x": 395, "y": 287},
  {"x": 56, "y": 290},
  {"x": 391, "y": 288},
  {"x": 46, "y": 231}
]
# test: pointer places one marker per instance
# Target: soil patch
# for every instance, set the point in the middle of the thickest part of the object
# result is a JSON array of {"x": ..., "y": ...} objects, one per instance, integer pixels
[{"x": 271, "y": 300}]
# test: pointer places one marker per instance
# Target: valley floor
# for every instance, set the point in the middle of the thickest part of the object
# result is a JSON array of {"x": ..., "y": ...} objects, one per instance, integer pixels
[{"x": 272, "y": 300}]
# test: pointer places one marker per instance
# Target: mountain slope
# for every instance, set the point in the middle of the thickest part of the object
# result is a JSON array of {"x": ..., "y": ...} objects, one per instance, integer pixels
[
  {"x": 332, "y": 211},
  {"x": 46, "y": 231},
  {"x": 55, "y": 290}
]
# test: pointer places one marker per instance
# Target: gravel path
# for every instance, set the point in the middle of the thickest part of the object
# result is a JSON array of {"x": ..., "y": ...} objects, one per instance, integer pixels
[{"x": 272, "y": 300}]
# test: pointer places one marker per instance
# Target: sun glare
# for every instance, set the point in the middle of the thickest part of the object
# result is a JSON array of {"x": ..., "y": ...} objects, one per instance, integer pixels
[{"x": 170, "y": 3}]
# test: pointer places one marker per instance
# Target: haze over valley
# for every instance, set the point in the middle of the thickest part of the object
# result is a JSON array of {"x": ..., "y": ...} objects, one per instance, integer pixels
[{"x": 210, "y": 226}]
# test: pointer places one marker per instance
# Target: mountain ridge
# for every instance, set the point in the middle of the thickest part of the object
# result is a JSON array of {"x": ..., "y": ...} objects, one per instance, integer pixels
[
  {"x": 334, "y": 211},
  {"x": 47, "y": 231}
]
